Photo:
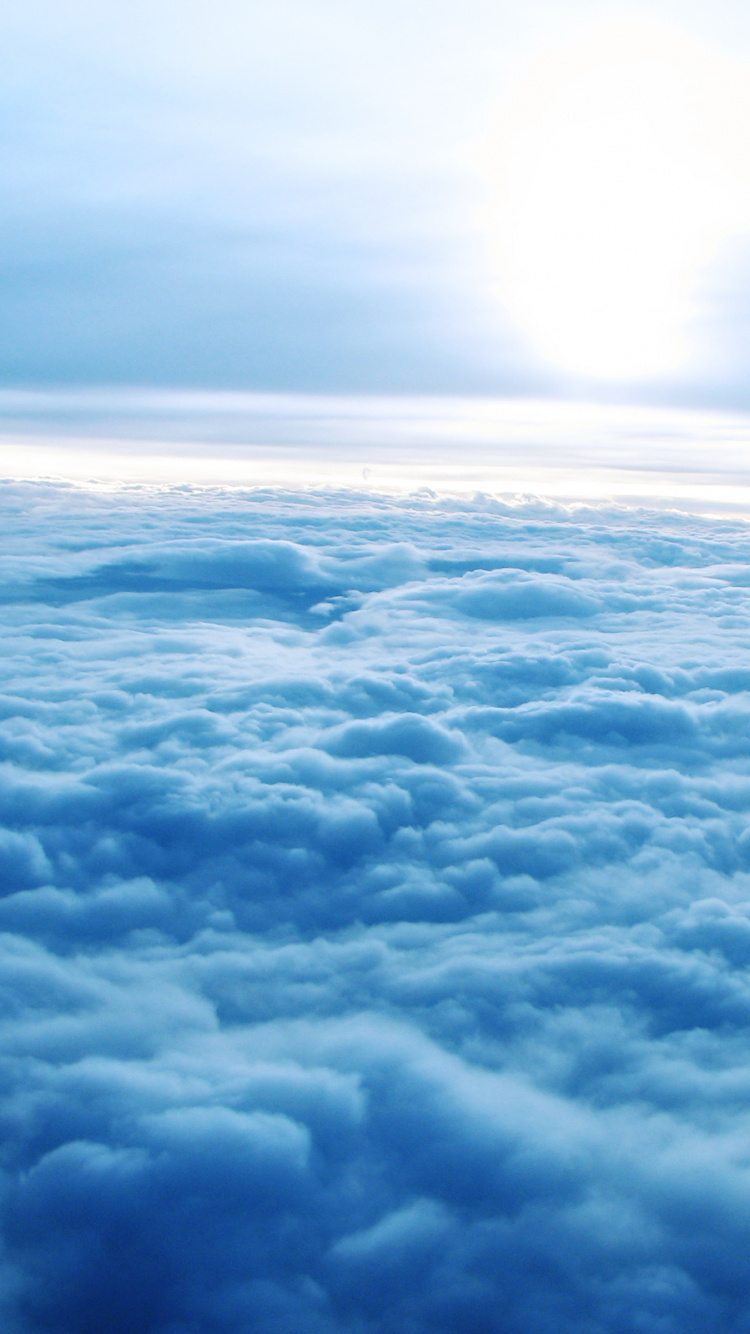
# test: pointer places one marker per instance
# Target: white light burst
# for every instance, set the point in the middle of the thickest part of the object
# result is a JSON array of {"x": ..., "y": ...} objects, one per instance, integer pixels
[{"x": 620, "y": 165}]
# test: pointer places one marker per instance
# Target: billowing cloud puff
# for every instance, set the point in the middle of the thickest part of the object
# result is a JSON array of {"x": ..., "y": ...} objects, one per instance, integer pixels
[{"x": 375, "y": 916}]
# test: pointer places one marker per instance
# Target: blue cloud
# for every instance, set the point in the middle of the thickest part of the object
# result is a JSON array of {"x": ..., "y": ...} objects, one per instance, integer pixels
[{"x": 374, "y": 915}]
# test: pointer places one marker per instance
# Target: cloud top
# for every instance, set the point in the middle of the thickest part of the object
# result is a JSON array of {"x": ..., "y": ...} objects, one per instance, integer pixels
[{"x": 374, "y": 915}]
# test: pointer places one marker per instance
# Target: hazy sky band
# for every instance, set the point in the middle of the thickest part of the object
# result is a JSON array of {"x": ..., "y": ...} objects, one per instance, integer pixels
[{"x": 574, "y": 452}]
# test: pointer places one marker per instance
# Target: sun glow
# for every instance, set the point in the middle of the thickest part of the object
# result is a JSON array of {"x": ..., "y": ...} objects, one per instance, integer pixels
[{"x": 620, "y": 166}]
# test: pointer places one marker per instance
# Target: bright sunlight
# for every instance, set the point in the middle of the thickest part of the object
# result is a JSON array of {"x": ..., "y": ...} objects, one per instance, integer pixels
[{"x": 620, "y": 166}]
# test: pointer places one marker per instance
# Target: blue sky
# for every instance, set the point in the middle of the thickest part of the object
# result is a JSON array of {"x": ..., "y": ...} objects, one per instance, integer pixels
[{"x": 294, "y": 197}]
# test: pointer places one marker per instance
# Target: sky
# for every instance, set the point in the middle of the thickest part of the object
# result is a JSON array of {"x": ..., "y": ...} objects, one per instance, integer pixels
[{"x": 417, "y": 198}]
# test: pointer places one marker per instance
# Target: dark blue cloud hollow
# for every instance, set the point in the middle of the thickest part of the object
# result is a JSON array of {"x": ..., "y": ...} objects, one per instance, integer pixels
[{"x": 374, "y": 916}]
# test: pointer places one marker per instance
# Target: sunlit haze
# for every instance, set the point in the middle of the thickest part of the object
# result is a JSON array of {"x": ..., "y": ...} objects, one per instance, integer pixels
[
  {"x": 620, "y": 166},
  {"x": 396, "y": 198}
]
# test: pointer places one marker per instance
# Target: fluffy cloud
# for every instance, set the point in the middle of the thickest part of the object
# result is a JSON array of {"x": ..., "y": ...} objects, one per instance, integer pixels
[{"x": 375, "y": 912}]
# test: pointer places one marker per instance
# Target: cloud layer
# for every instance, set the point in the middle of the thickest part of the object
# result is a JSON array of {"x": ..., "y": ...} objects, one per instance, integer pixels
[{"x": 376, "y": 916}]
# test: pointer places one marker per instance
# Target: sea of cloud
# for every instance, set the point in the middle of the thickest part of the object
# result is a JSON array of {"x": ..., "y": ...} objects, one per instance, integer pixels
[{"x": 375, "y": 915}]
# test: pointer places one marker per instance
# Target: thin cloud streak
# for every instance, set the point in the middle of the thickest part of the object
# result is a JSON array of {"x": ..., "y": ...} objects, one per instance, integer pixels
[{"x": 573, "y": 451}]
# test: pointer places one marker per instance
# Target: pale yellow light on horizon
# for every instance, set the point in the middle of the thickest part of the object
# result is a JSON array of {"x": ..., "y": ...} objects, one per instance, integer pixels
[{"x": 619, "y": 167}]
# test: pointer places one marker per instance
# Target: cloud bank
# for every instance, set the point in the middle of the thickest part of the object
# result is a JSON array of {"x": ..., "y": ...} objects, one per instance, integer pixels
[{"x": 375, "y": 915}]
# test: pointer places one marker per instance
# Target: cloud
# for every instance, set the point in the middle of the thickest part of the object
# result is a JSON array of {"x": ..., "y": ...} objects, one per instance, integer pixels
[
  {"x": 374, "y": 917},
  {"x": 416, "y": 738}
]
